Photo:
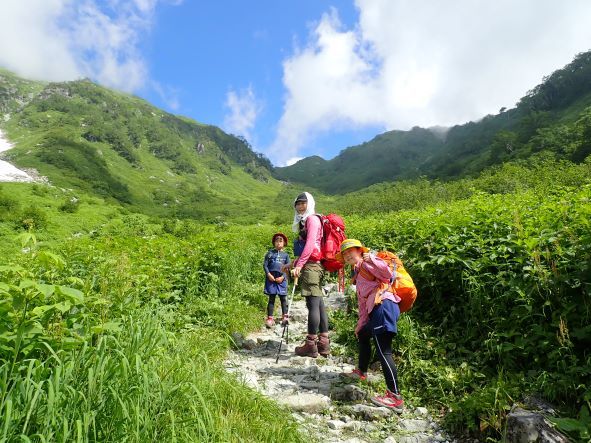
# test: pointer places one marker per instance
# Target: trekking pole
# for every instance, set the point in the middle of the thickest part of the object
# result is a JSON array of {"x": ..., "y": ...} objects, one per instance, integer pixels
[{"x": 286, "y": 325}]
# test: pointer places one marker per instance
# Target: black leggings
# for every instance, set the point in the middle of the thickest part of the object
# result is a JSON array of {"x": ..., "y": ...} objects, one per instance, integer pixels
[
  {"x": 271, "y": 304},
  {"x": 383, "y": 344},
  {"x": 317, "y": 317}
]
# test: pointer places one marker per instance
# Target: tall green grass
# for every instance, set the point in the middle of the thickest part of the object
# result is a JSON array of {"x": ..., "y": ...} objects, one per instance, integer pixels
[
  {"x": 122, "y": 339},
  {"x": 138, "y": 385}
]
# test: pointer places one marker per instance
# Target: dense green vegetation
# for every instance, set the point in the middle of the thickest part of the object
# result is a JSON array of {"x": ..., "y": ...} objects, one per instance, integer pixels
[
  {"x": 553, "y": 118},
  {"x": 504, "y": 282},
  {"x": 120, "y": 336},
  {"x": 536, "y": 174},
  {"x": 504, "y": 311}
]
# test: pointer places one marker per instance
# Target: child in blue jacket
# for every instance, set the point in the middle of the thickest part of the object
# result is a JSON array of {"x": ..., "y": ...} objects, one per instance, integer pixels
[{"x": 275, "y": 280}]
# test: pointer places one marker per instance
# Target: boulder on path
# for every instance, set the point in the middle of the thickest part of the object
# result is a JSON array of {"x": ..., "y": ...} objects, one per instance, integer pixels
[
  {"x": 335, "y": 302},
  {"x": 249, "y": 344},
  {"x": 422, "y": 412},
  {"x": 336, "y": 424},
  {"x": 305, "y": 402},
  {"x": 349, "y": 393},
  {"x": 370, "y": 413},
  {"x": 416, "y": 438},
  {"x": 527, "y": 426},
  {"x": 238, "y": 339},
  {"x": 299, "y": 315},
  {"x": 415, "y": 425}
]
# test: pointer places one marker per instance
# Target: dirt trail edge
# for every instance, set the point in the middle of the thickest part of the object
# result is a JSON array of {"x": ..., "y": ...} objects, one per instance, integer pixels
[{"x": 328, "y": 408}]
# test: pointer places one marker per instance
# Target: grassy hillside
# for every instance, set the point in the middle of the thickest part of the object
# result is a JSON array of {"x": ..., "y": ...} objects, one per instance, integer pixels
[
  {"x": 121, "y": 148},
  {"x": 554, "y": 118},
  {"x": 51, "y": 213}
]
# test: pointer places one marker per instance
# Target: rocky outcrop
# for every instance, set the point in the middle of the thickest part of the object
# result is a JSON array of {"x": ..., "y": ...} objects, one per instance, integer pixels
[{"x": 525, "y": 426}]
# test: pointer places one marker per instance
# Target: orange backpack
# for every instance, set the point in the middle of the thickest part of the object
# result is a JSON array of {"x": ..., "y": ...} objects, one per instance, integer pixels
[{"x": 402, "y": 286}]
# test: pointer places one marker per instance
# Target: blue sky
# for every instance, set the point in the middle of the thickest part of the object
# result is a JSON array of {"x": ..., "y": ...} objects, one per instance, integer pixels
[
  {"x": 306, "y": 77},
  {"x": 205, "y": 50}
]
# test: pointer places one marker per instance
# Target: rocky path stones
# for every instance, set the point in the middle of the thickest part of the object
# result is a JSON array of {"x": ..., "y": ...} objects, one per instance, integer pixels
[{"x": 328, "y": 408}]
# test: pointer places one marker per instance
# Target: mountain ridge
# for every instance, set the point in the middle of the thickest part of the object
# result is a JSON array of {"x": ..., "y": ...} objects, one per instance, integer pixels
[
  {"x": 120, "y": 147},
  {"x": 556, "y": 105}
]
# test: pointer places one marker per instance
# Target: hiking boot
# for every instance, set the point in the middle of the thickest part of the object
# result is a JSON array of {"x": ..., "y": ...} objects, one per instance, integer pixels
[
  {"x": 390, "y": 401},
  {"x": 323, "y": 344},
  {"x": 270, "y": 322},
  {"x": 285, "y": 320},
  {"x": 309, "y": 348},
  {"x": 355, "y": 374}
]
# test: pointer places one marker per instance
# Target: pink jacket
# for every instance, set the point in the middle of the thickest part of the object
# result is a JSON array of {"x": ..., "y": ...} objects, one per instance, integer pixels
[
  {"x": 313, "y": 238},
  {"x": 366, "y": 289}
]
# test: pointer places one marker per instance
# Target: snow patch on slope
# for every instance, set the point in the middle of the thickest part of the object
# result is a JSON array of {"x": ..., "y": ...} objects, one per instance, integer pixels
[{"x": 8, "y": 172}]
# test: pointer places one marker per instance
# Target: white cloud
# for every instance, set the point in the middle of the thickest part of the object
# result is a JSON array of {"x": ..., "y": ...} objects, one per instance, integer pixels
[
  {"x": 423, "y": 63},
  {"x": 243, "y": 110},
  {"x": 31, "y": 41},
  {"x": 68, "y": 39},
  {"x": 293, "y": 160}
]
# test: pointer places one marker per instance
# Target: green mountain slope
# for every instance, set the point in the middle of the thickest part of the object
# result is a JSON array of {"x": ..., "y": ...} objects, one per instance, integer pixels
[
  {"x": 390, "y": 156},
  {"x": 120, "y": 147},
  {"x": 555, "y": 118}
]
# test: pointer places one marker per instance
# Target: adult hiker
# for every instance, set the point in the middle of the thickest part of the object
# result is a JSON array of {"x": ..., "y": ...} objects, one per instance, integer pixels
[
  {"x": 378, "y": 316},
  {"x": 311, "y": 273},
  {"x": 275, "y": 280}
]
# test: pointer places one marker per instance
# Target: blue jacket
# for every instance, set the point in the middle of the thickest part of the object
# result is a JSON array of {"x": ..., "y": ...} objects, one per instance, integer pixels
[{"x": 272, "y": 264}]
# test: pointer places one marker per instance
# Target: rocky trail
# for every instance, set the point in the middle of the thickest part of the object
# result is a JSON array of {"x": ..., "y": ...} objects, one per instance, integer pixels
[{"x": 328, "y": 407}]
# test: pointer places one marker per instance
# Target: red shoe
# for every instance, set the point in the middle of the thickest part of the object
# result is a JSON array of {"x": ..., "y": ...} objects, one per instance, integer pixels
[
  {"x": 390, "y": 401},
  {"x": 270, "y": 322},
  {"x": 355, "y": 374},
  {"x": 285, "y": 320}
]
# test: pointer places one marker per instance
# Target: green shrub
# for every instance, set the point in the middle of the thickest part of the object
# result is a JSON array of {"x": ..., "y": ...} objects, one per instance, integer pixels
[
  {"x": 39, "y": 190},
  {"x": 71, "y": 205},
  {"x": 504, "y": 287},
  {"x": 8, "y": 206},
  {"x": 32, "y": 218}
]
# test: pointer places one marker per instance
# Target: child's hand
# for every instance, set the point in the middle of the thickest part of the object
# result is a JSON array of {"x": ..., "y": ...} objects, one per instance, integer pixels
[
  {"x": 270, "y": 277},
  {"x": 280, "y": 279},
  {"x": 366, "y": 257}
]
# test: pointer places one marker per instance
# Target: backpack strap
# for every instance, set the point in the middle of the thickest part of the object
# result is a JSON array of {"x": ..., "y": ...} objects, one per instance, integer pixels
[
  {"x": 365, "y": 273},
  {"x": 369, "y": 276},
  {"x": 321, "y": 225}
]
